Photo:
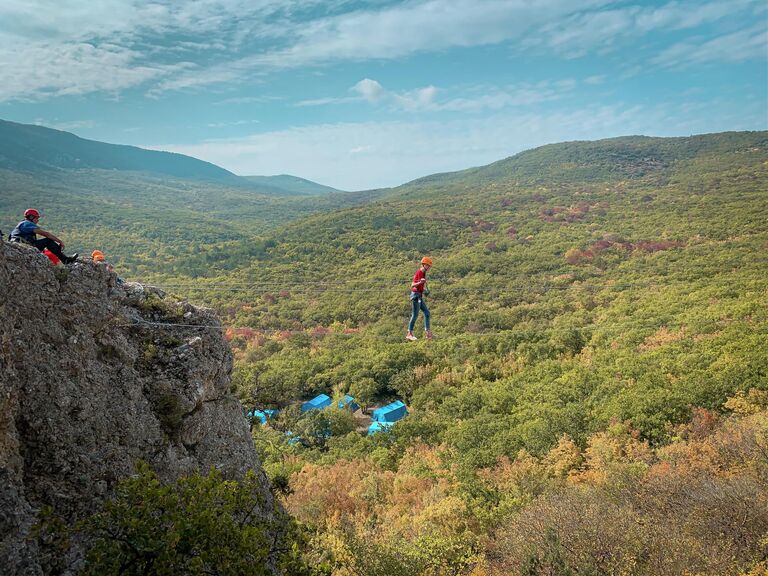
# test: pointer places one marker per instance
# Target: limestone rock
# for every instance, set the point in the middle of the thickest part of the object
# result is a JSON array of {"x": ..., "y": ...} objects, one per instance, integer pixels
[{"x": 94, "y": 375}]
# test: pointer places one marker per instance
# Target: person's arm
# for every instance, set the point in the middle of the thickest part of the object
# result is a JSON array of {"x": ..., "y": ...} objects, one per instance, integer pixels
[
  {"x": 50, "y": 235},
  {"x": 416, "y": 283}
]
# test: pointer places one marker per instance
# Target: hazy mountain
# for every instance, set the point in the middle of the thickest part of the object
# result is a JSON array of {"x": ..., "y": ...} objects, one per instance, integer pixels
[
  {"x": 291, "y": 184},
  {"x": 28, "y": 148}
]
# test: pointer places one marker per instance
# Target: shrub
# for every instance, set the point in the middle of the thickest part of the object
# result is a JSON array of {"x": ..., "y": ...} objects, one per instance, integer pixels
[{"x": 198, "y": 525}]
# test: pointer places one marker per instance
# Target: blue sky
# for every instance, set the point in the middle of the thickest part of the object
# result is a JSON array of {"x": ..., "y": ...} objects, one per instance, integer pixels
[{"x": 373, "y": 93}]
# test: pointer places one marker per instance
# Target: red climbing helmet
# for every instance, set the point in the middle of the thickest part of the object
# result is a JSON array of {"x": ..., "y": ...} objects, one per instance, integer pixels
[{"x": 31, "y": 213}]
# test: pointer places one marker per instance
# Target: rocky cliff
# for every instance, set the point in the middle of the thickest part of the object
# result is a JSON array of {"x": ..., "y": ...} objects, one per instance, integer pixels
[{"x": 95, "y": 375}]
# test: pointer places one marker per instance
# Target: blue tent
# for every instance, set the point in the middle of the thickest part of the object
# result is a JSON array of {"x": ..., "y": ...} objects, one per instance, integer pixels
[
  {"x": 379, "y": 427},
  {"x": 294, "y": 440},
  {"x": 390, "y": 413},
  {"x": 263, "y": 415},
  {"x": 317, "y": 403},
  {"x": 349, "y": 402}
]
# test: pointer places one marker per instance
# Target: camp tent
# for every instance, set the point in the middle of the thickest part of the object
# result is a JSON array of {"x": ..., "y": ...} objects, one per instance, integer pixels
[
  {"x": 294, "y": 440},
  {"x": 390, "y": 413},
  {"x": 349, "y": 402},
  {"x": 263, "y": 415},
  {"x": 379, "y": 427},
  {"x": 317, "y": 403}
]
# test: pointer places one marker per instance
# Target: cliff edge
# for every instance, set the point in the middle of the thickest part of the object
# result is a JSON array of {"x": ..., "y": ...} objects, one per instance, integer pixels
[{"x": 95, "y": 375}]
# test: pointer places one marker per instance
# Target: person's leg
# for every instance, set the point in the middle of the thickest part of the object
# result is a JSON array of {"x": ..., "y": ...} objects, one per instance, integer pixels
[
  {"x": 414, "y": 313},
  {"x": 43, "y": 243},
  {"x": 425, "y": 310}
]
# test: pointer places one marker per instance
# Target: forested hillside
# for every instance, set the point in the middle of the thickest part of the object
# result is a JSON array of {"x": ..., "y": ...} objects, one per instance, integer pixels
[
  {"x": 629, "y": 157},
  {"x": 28, "y": 148},
  {"x": 584, "y": 319},
  {"x": 143, "y": 207},
  {"x": 594, "y": 401}
]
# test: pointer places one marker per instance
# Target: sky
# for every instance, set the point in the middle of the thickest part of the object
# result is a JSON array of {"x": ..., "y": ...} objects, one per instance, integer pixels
[{"x": 362, "y": 94}]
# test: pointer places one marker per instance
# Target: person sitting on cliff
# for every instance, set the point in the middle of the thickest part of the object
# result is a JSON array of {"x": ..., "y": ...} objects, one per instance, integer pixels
[{"x": 27, "y": 231}]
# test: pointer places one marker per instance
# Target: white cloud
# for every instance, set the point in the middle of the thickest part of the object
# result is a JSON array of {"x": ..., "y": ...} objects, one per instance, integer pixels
[
  {"x": 596, "y": 79},
  {"x": 415, "y": 26},
  {"x": 524, "y": 94},
  {"x": 327, "y": 101},
  {"x": 248, "y": 100},
  {"x": 68, "y": 125},
  {"x": 482, "y": 98},
  {"x": 416, "y": 99},
  {"x": 232, "y": 123},
  {"x": 193, "y": 78},
  {"x": 369, "y": 89},
  {"x": 387, "y": 33},
  {"x": 66, "y": 20},
  {"x": 734, "y": 47},
  {"x": 373, "y": 92},
  {"x": 77, "y": 20},
  {"x": 494, "y": 100},
  {"x": 577, "y": 34},
  {"x": 570, "y": 28},
  {"x": 72, "y": 47},
  {"x": 39, "y": 70}
]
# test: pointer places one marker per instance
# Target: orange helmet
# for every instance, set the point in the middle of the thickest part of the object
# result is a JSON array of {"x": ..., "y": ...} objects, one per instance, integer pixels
[
  {"x": 426, "y": 260},
  {"x": 97, "y": 256}
]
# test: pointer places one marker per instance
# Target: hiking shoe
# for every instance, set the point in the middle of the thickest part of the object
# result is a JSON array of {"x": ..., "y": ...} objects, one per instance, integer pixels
[
  {"x": 429, "y": 334},
  {"x": 410, "y": 337},
  {"x": 70, "y": 259}
]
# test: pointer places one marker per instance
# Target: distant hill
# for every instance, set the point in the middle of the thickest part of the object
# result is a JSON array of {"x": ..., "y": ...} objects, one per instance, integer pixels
[
  {"x": 29, "y": 149},
  {"x": 291, "y": 184},
  {"x": 624, "y": 158}
]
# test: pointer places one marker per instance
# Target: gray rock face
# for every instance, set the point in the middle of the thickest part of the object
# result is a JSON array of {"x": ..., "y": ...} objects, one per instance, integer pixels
[{"x": 93, "y": 378}]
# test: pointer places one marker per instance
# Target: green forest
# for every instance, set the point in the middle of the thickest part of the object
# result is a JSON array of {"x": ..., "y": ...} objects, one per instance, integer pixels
[{"x": 595, "y": 399}]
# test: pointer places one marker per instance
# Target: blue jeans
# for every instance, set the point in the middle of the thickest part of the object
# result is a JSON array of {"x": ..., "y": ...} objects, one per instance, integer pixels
[{"x": 417, "y": 303}]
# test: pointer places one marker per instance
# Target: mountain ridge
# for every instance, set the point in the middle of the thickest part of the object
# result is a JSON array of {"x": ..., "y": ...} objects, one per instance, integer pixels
[
  {"x": 588, "y": 160},
  {"x": 31, "y": 148},
  {"x": 293, "y": 184}
]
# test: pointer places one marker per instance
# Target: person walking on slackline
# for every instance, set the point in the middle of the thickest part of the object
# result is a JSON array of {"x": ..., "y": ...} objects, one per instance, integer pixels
[
  {"x": 418, "y": 286},
  {"x": 27, "y": 231}
]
